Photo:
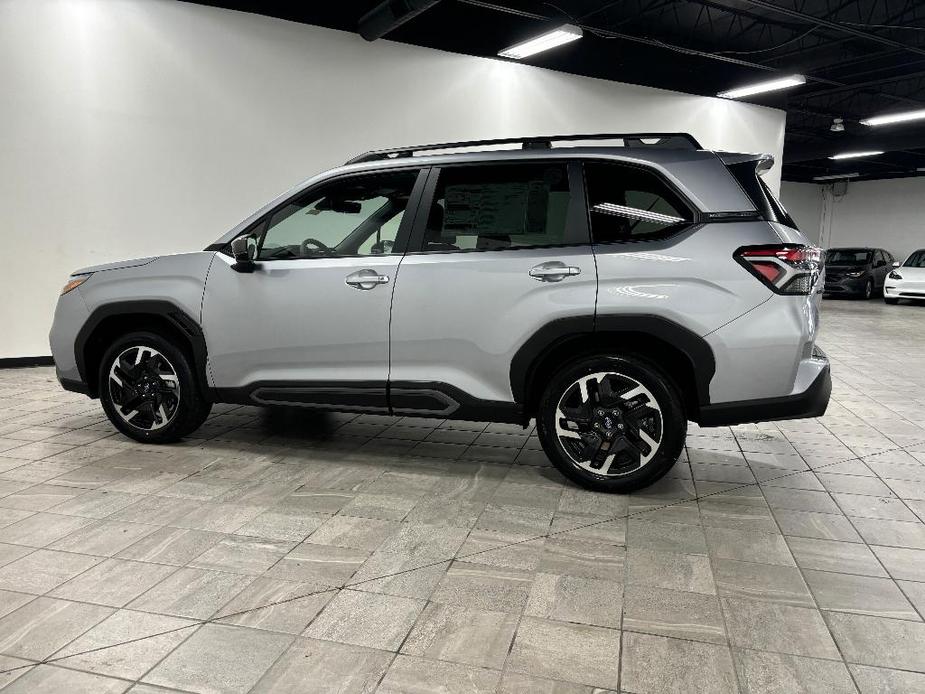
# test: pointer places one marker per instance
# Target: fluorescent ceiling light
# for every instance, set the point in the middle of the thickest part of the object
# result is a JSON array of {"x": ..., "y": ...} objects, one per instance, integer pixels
[
  {"x": 761, "y": 87},
  {"x": 550, "y": 39},
  {"x": 854, "y": 155},
  {"x": 834, "y": 177},
  {"x": 895, "y": 118},
  {"x": 635, "y": 213}
]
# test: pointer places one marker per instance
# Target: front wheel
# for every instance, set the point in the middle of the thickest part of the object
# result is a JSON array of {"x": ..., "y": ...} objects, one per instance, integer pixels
[
  {"x": 148, "y": 390},
  {"x": 612, "y": 424},
  {"x": 869, "y": 289}
]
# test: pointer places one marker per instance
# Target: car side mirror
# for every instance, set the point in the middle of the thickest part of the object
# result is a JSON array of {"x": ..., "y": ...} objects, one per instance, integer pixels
[
  {"x": 244, "y": 250},
  {"x": 896, "y": 263}
]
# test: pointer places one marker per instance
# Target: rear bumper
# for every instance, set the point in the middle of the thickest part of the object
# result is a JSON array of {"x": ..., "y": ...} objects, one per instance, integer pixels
[{"x": 811, "y": 402}]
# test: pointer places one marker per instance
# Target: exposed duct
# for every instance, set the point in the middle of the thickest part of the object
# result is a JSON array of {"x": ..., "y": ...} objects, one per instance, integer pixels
[{"x": 389, "y": 15}]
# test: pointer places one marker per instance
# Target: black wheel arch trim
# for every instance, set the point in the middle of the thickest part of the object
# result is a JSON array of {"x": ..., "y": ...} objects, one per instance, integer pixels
[
  {"x": 176, "y": 316},
  {"x": 558, "y": 332}
]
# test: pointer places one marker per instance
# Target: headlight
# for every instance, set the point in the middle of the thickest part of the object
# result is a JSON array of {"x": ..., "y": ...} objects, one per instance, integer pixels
[
  {"x": 854, "y": 274},
  {"x": 895, "y": 275},
  {"x": 73, "y": 283}
]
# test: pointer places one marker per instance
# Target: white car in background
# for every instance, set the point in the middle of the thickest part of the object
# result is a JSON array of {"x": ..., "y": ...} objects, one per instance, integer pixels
[{"x": 907, "y": 280}]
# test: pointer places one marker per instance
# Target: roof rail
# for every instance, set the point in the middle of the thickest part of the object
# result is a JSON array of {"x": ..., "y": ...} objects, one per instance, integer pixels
[{"x": 661, "y": 140}]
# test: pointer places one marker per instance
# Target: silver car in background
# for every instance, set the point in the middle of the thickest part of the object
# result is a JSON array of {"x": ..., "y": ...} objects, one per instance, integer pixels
[{"x": 612, "y": 290}]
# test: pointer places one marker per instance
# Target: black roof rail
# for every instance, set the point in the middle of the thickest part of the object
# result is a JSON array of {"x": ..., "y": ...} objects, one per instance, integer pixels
[{"x": 661, "y": 140}]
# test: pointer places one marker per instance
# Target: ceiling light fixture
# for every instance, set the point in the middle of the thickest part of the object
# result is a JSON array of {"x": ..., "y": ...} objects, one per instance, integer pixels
[
  {"x": 761, "y": 87},
  {"x": 895, "y": 118},
  {"x": 854, "y": 155},
  {"x": 834, "y": 177},
  {"x": 838, "y": 125},
  {"x": 565, "y": 33}
]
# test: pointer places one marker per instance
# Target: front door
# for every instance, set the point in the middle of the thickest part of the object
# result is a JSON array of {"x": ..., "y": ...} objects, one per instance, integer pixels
[
  {"x": 310, "y": 325},
  {"x": 499, "y": 251}
]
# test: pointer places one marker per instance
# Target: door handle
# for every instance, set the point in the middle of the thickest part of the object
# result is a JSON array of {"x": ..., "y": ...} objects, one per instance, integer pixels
[
  {"x": 365, "y": 279},
  {"x": 553, "y": 271}
]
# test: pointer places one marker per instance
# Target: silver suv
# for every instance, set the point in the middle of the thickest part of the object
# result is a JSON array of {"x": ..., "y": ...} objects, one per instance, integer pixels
[{"x": 613, "y": 289}]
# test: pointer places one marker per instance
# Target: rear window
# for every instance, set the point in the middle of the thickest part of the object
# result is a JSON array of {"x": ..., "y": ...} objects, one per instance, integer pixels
[{"x": 759, "y": 193}]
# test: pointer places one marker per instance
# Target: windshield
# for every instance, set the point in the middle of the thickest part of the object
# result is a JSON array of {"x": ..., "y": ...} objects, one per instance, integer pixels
[
  {"x": 917, "y": 259},
  {"x": 847, "y": 256}
]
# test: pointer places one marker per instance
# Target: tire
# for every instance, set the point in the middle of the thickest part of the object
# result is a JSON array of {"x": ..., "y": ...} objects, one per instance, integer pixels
[
  {"x": 657, "y": 412},
  {"x": 888, "y": 300},
  {"x": 868, "y": 290},
  {"x": 151, "y": 372}
]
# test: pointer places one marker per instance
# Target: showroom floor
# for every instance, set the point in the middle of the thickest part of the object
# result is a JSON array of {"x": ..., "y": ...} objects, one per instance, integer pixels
[{"x": 354, "y": 554}]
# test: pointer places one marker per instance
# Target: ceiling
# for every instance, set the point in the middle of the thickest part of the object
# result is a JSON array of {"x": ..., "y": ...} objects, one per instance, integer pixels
[{"x": 860, "y": 58}]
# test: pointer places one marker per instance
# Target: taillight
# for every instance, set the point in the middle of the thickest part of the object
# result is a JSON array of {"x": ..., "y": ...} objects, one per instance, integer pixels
[{"x": 784, "y": 269}]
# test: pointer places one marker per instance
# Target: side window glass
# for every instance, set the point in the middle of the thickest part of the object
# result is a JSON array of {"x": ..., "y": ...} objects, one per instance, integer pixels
[
  {"x": 627, "y": 203},
  {"x": 498, "y": 206},
  {"x": 353, "y": 216}
]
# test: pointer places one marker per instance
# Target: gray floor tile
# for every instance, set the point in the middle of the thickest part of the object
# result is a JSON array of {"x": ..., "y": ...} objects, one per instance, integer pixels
[
  {"x": 666, "y": 537},
  {"x": 745, "y": 545},
  {"x": 462, "y": 635},
  {"x": 779, "y": 628},
  {"x": 892, "y": 533},
  {"x": 682, "y": 666},
  {"x": 332, "y": 566},
  {"x": 193, "y": 593},
  {"x": 783, "y": 584},
  {"x": 484, "y": 587},
  {"x": 691, "y": 616},
  {"x": 519, "y": 683},
  {"x": 571, "y": 652},
  {"x": 828, "y": 555},
  {"x": 329, "y": 667},
  {"x": 229, "y": 659},
  {"x": 282, "y": 525},
  {"x": 859, "y": 594},
  {"x": 576, "y": 599},
  {"x": 686, "y": 572},
  {"x": 126, "y": 644},
  {"x": 177, "y": 546},
  {"x": 48, "y": 679},
  {"x": 902, "y": 563},
  {"x": 104, "y": 537},
  {"x": 366, "y": 619},
  {"x": 114, "y": 582},
  {"x": 276, "y": 605},
  {"x": 41, "y": 627},
  {"x": 411, "y": 675},
  {"x": 824, "y": 526},
  {"x": 243, "y": 555},
  {"x": 889, "y": 643},
  {"x": 580, "y": 558},
  {"x": 350, "y": 531},
  {"x": 777, "y": 673},
  {"x": 43, "y": 570},
  {"x": 41, "y": 529},
  {"x": 874, "y": 680}
]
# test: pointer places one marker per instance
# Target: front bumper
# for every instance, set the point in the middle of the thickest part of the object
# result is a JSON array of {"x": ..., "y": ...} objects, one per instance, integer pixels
[
  {"x": 845, "y": 285},
  {"x": 811, "y": 402},
  {"x": 897, "y": 289}
]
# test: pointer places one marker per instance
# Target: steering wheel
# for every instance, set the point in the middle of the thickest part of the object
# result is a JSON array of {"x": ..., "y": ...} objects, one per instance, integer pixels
[{"x": 305, "y": 247}]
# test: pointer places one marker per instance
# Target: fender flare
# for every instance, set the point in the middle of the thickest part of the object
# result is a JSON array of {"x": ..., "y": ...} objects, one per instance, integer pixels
[
  {"x": 560, "y": 331},
  {"x": 175, "y": 315}
]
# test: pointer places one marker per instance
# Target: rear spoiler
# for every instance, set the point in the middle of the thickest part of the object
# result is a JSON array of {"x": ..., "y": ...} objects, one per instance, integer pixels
[{"x": 763, "y": 162}]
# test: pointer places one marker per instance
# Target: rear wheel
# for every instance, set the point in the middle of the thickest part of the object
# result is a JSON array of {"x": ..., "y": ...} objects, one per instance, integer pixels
[
  {"x": 148, "y": 390},
  {"x": 612, "y": 424}
]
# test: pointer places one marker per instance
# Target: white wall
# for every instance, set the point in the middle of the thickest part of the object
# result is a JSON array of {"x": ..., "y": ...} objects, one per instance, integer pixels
[
  {"x": 886, "y": 214},
  {"x": 804, "y": 203},
  {"x": 139, "y": 127}
]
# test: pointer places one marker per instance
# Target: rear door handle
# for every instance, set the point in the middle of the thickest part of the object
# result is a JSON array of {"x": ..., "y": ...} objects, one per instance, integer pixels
[
  {"x": 365, "y": 279},
  {"x": 553, "y": 271}
]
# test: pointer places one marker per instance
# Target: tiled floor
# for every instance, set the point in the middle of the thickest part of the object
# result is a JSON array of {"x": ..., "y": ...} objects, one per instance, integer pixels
[{"x": 356, "y": 554}]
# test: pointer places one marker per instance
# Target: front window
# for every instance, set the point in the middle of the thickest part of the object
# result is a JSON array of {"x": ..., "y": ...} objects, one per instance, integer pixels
[
  {"x": 348, "y": 217},
  {"x": 917, "y": 259},
  {"x": 847, "y": 256}
]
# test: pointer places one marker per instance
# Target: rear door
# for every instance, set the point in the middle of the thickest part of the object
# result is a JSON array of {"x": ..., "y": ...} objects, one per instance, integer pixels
[{"x": 498, "y": 251}]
